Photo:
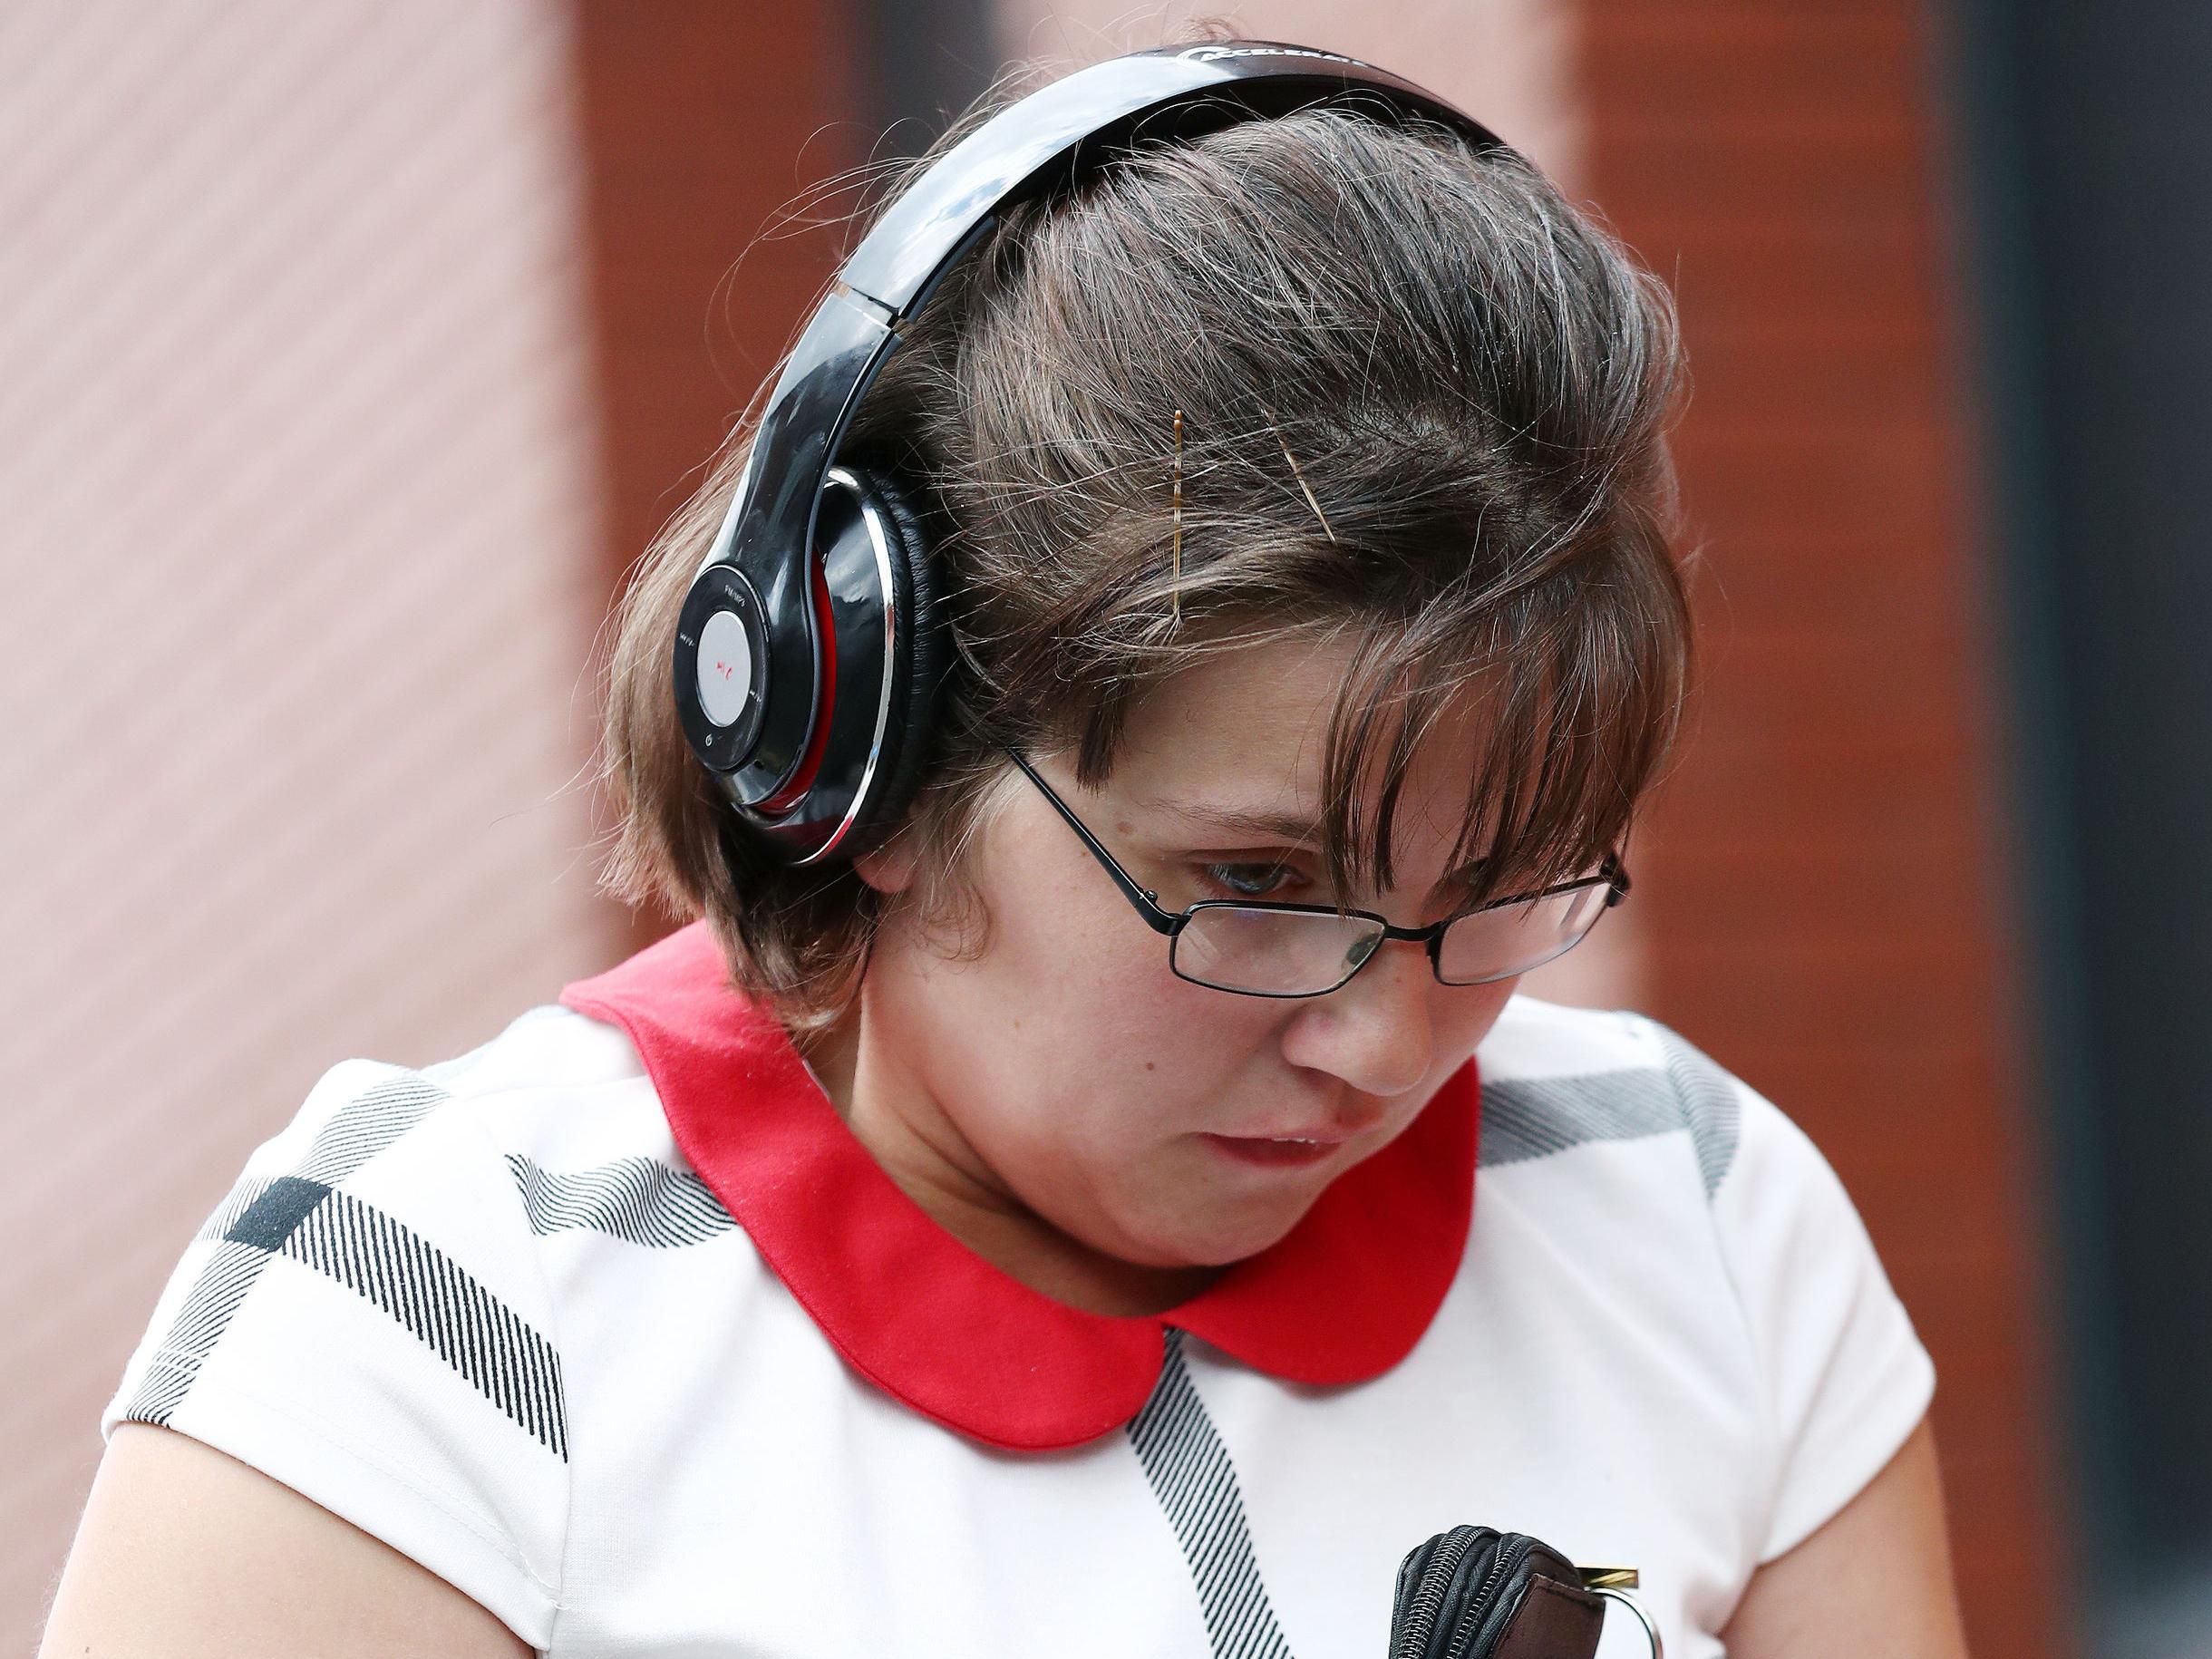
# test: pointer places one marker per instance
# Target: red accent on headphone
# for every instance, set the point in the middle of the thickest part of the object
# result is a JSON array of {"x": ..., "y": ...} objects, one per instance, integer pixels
[{"x": 810, "y": 762}]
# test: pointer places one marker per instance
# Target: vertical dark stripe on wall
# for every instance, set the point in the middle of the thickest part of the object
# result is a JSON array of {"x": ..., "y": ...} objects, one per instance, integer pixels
[
  {"x": 923, "y": 62},
  {"x": 2089, "y": 147}
]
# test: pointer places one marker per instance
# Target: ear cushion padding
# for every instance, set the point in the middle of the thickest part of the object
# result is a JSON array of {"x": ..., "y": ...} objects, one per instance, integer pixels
[{"x": 921, "y": 653}]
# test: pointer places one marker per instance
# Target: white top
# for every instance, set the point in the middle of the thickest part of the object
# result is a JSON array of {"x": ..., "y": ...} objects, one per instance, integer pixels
[{"x": 493, "y": 1314}]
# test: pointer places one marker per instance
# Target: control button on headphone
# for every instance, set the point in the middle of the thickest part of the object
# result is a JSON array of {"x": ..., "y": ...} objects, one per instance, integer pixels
[
  {"x": 721, "y": 668},
  {"x": 725, "y": 668}
]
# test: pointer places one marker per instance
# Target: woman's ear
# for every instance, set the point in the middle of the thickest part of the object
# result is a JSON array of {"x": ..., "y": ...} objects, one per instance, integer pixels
[{"x": 888, "y": 868}]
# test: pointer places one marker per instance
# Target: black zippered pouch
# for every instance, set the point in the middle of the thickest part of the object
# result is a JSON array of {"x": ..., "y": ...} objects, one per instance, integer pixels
[{"x": 1475, "y": 1593}]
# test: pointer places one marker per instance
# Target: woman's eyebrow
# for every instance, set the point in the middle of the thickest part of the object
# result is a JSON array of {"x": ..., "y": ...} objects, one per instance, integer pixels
[
  {"x": 1283, "y": 826},
  {"x": 1296, "y": 828}
]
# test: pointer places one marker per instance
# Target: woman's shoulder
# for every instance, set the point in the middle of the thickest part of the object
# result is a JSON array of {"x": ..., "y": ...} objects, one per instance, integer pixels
[
  {"x": 1705, "y": 1218},
  {"x": 527, "y": 1089},
  {"x": 1533, "y": 1035},
  {"x": 547, "y": 1062},
  {"x": 1556, "y": 1077},
  {"x": 385, "y": 1310},
  {"x": 552, "y": 1088},
  {"x": 366, "y": 1316},
  {"x": 547, "y": 1141}
]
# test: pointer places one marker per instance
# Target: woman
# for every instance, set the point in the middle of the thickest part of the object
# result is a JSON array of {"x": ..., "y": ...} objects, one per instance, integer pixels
[{"x": 1051, "y": 1222}]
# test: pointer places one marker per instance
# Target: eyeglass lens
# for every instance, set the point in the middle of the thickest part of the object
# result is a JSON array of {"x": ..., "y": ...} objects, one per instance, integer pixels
[
  {"x": 1513, "y": 939},
  {"x": 1275, "y": 953},
  {"x": 1294, "y": 953}
]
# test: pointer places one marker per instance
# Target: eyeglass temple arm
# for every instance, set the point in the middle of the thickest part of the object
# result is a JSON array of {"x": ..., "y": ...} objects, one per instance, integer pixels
[{"x": 1147, "y": 903}]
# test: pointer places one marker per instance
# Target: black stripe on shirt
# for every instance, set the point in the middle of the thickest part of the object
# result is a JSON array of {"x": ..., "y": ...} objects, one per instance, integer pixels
[
  {"x": 638, "y": 1199},
  {"x": 309, "y": 1219},
  {"x": 1191, "y": 1473},
  {"x": 1527, "y": 1118}
]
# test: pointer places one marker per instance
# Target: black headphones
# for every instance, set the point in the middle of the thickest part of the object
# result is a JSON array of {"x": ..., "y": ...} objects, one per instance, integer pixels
[{"x": 810, "y": 646}]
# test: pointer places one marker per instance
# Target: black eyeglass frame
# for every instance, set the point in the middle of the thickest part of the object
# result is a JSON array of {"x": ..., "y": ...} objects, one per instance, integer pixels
[{"x": 1611, "y": 871}]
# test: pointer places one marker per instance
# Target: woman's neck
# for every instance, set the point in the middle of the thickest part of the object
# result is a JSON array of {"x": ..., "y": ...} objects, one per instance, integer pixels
[{"x": 913, "y": 1143}]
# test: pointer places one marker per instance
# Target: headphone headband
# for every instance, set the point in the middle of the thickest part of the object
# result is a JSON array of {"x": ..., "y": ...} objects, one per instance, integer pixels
[
  {"x": 1045, "y": 139},
  {"x": 762, "y": 743}
]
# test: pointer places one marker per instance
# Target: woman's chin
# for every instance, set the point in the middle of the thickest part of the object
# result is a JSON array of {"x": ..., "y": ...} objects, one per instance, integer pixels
[{"x": 1225, "y": 1240}]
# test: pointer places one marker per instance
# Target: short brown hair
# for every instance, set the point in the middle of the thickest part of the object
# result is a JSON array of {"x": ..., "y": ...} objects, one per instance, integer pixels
[{"x": 1423, "y": 398}]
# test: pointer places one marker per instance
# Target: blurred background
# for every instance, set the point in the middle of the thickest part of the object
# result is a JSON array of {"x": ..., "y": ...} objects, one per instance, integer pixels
[{"x": 349, "y": 354}]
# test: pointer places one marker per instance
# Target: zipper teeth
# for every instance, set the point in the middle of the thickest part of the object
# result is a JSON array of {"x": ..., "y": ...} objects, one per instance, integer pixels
[
  {"x": 1501, "y": 1568},
  {"x": 1435, "y": 1582}
]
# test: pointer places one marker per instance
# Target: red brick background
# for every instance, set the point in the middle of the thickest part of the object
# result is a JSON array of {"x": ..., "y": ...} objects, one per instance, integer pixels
[
  {"x": 1825, "y": 913},
  {"x": 700, "y": 124}
]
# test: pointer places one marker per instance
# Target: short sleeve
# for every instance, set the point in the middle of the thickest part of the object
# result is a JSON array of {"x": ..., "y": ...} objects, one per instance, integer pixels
[
  {"x": 364, "y": 1319},
  {"x": 1844, "y": 1375}
]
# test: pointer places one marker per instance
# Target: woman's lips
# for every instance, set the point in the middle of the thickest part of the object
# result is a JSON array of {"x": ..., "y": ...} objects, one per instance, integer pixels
[{"x": 1274, "y": 1151}]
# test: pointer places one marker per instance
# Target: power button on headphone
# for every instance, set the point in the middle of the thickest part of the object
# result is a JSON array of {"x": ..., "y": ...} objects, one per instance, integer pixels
[{"x": 721, "y": 667}]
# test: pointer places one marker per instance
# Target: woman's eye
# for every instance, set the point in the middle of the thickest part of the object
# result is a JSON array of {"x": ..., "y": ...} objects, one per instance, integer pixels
[{"x": 1250, "y": 880}]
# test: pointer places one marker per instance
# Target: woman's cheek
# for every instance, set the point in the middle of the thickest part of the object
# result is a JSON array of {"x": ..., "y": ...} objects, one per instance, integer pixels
[{"x": 1188, "y": 1038}]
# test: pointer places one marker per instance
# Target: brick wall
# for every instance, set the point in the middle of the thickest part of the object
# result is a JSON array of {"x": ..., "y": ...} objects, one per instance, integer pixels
[
  {"x": 700, "y": 125},
  {"x": 1826, "y": 915}
]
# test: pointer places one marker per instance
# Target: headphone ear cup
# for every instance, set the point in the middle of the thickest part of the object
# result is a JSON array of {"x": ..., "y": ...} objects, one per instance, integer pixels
[{"x": 921, "y": 653}]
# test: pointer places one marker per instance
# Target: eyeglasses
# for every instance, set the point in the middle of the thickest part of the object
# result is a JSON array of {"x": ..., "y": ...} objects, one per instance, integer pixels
[{"x": 1274, "y": 949}]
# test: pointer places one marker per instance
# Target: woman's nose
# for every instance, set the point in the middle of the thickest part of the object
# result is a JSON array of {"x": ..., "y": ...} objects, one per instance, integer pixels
[{"x": 1375, "y": 1032}]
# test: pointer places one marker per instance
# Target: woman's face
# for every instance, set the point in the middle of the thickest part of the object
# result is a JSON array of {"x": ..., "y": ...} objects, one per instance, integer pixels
[{"x": 1066, "y": 1070}]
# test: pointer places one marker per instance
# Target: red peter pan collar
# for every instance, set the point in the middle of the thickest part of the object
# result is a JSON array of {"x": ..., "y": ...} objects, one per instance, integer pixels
[{"x": 1343, "y": 1297}]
